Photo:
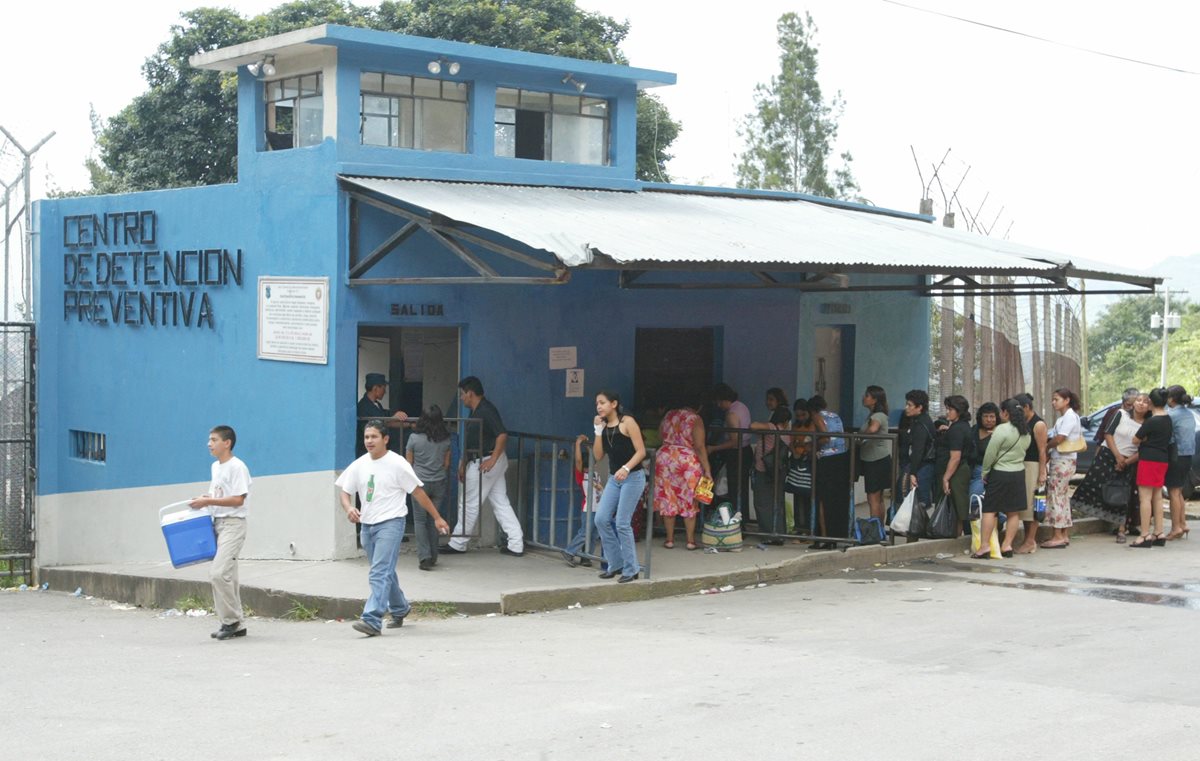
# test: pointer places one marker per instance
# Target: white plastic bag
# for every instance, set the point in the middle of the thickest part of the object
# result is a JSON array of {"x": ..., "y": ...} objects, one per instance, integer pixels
[{"x": 903, "y": 517}]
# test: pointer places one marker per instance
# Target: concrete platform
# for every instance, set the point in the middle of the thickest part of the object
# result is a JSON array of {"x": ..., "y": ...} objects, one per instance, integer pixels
[{"x": 484, "y": 581}]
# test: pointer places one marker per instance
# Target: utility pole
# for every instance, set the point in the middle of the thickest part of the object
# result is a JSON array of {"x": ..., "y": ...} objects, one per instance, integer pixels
[
  {"x": 1083, "y": 354},
  {"x": 1168, "y": 321}
]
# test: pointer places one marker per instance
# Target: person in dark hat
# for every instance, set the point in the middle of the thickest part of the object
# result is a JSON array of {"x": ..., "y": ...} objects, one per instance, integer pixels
[{"x": 369, "y": 407}]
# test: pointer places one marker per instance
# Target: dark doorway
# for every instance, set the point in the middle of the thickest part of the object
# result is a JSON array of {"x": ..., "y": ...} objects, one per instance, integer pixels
[
  {"x": 673, "y": 365},
  {"x": 833, "y": 367}
]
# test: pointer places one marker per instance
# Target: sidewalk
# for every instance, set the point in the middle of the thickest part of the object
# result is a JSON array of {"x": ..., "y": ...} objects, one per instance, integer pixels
[{"x": 484, "y": 581}]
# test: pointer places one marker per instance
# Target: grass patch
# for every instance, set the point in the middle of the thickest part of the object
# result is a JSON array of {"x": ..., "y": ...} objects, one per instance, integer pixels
[
  {"x": 193, "y": 602},
  {"x": 301, "y": 612},
  {"x": 435, "y": 609},
  {"x": 247, "y": 611}
]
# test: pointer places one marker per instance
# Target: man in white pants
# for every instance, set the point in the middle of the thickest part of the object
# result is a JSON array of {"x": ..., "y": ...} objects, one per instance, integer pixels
[{"x": 482, "y": 472}]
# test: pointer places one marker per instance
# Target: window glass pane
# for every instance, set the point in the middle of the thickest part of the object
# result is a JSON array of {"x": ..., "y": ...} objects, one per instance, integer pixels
[
  {"x": 595, "y": 107},
  {"x": 310, "y": 124},
  {"x": 427, "y": 88},
  {"x": 375, "y": 130},
  {"x": 395, "y": 85},
  {"x": 441, "y": 126},
  {"x": 577, "y": 140},
  {"x": 310, "y": 85},
  {"x": 566, "y": 104},
  {"x": 376, "y": 104},
  {"x": 454, "y": 90},
  {"x": 404, "y": 137},
  {"x": 370, "y": 81},
  {"x": 291, "y": 88},
  {"x": 506, "y": 140},
  {"x": 506, "y": 116},
  {"x": 535, "y": 101},
  {"x": 506, "y": 97}
]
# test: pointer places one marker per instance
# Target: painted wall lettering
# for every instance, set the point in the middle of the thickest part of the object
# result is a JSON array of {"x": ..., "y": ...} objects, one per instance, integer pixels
[{"x": 142, "y": 285}]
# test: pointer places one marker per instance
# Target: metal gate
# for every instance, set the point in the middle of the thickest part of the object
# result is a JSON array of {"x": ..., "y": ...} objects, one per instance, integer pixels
[{"x": 17, "y": 465}]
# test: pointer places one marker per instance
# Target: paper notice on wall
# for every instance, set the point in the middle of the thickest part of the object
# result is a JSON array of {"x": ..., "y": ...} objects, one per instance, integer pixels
[
  {"x": 574, "y": 383},
  {"x": 562, "y": 357},
  {"x": 293, "y": 319}
]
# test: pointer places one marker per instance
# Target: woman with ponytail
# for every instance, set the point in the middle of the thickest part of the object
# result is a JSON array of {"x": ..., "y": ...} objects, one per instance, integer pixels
[{"x": 1183, "y": 427}]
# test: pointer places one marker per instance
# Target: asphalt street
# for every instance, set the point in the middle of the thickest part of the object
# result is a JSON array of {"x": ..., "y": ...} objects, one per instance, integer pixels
[{"x": 1083, "y": 653}]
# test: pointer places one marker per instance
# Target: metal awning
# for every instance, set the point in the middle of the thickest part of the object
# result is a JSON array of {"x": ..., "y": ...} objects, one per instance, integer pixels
[{"x": 657, "y": 230}]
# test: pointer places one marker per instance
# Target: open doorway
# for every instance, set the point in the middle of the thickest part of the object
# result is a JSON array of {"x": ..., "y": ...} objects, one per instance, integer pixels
[
  {"x": 833, "y": 368},
  {"x": 421, "y": 365}
]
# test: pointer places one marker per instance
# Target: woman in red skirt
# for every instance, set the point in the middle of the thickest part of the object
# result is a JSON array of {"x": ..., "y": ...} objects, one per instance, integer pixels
[{"x": 1154, "y": 443}]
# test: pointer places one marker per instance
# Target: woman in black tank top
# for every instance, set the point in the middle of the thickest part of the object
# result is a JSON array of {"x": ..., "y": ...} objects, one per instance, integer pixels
[
  {"x": 619, "y": 438},
  {"x": 1036, "y": 453}
]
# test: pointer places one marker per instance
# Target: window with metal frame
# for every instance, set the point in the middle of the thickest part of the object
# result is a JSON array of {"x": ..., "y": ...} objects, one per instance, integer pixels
[
  {"x": 295, "y": 112},
  {"x": 412, "y": 112},
  {"x": 551, "y": 126},
  {"x": 88, "y": 445}
]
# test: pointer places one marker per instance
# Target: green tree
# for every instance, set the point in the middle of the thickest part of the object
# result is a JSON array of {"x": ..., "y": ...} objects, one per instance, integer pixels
[
  {"x": 790, "y": 134},
  {"x": 656, "y": 131},
  {"x": 1124, "y": 351},
  {"x": 182, "y": 130}
]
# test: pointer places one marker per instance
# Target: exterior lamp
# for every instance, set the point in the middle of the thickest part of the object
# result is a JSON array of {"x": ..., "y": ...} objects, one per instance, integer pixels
[
  {"x": 580, "y": 86},
  {"x": 435, "y": 66},
  {"x": 266, "y": 67}
]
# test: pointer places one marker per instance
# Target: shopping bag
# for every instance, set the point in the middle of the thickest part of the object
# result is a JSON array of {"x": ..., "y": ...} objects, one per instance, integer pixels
[
  {"x": 943, "y": 522},
  {"x": 918, "y": 524},
  {"x": 977, "y": 530},
  {"x": 903, "y": 518},
  {"x": 869, "y": 531}
]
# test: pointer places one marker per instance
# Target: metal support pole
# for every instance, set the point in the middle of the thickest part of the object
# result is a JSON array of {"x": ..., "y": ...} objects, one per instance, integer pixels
[
  {"x": 1162, "y": 376},
  {"x": 27, "y": 173}
]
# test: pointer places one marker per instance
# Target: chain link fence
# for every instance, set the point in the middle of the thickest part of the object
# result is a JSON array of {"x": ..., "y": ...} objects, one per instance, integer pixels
[{"x": 17, "y": 467}]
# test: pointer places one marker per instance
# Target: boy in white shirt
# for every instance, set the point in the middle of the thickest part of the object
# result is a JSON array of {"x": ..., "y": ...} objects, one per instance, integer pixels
[
  {"x": 227, "y": 496},
  {"x": 383, "y": 479}
]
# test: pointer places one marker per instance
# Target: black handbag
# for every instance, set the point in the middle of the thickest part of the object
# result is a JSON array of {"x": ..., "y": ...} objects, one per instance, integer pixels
[{"x": 1115, "y": 491}]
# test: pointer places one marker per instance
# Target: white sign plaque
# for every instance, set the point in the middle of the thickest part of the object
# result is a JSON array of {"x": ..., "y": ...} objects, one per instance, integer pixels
[
  {"x": 562, "y": 357},
  {"x": 574, "y": 383},
  {"x": 293, "y": 319}
]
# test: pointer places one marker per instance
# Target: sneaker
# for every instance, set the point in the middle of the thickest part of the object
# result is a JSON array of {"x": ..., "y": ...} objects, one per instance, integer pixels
[
  {"x": 426, "y": 564},
  {"x": 568, "y": 558},
  {"x": 230, "y": 631},
  {"x": 223, "y": 628},
  {"x": 395, "y": 622},
  {"x": 585, "y": 562},
  {"x": 507, "y": 551},
  {"x": 365, "y": 628}
]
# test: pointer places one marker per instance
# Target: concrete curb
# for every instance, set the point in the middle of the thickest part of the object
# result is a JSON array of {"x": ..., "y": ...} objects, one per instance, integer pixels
[{"x": 156, "y": 592}]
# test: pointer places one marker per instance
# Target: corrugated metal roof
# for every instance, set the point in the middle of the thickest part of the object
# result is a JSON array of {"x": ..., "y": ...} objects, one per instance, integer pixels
[{"x": 635, "y": 228}]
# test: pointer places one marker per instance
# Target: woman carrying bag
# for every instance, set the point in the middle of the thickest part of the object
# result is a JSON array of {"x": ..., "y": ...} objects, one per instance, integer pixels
[
  {"x": 1064, "y": 441},
  {"x": 1004, "y": 479}
]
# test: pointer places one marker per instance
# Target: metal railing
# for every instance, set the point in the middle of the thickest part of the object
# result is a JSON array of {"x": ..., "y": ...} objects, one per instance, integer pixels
[
  {"x": 545, "y": 509},
  {"x": 780, "y": 467}
]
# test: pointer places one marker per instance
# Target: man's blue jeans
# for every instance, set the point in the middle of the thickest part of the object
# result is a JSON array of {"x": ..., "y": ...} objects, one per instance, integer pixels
[
  {"x": 381, "y": 542},
  {"x": 613, "y": 521}
]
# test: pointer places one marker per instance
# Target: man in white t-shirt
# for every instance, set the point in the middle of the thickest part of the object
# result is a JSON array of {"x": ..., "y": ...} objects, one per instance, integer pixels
[
  {"x": 382, "y": 480},
  {"x": 227, "y": 495}
]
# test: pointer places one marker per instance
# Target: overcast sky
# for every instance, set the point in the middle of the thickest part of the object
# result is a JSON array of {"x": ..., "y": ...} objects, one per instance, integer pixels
[{"x": 1078, "y": 153}]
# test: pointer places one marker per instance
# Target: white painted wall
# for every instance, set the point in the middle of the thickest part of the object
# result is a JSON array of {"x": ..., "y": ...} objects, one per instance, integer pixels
[{"x": 291, "y": 516}]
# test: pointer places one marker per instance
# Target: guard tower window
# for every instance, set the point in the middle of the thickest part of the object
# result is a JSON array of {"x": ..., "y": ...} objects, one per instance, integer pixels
[
  {"x": 295, "y": 112},
  {"x": 551, "y": 127},
  {"x": 413, "y": 112}
]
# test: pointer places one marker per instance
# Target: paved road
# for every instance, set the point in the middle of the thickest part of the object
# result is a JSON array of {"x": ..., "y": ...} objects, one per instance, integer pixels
[{"x": 1086, "y": 653}]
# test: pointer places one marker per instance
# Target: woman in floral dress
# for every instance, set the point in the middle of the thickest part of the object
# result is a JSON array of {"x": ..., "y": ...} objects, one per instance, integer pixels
[{"x": 680, "y": 462}]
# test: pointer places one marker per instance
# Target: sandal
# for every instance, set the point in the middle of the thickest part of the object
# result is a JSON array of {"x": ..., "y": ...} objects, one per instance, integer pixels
[
  {"x": 670, "y": 545},
  {"x": 1121, "y": 538},
  {"x": 693, "y": 546}
]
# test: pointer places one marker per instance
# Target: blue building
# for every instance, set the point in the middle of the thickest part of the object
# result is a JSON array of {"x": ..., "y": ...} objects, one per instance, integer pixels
[{"x": 430, "y": 210}]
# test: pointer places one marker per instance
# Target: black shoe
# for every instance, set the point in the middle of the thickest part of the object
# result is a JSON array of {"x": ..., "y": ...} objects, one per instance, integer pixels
[
  {"x": 507, "y": 551},
  {"x": 585, "y": 562},
  {"x": 627, "y": 579},
  {"x": 451, "y": 550},
  {"x": 568, "y": 558},
  {"x": 222, "y": 628},
  {"x": 426, "y": 564},
  {"x": 365, "y": 628},
  {"x": 608, "y": 574},
  {"x": 230, "y": 632},
  {"x": 394, "y": 622}
]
